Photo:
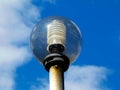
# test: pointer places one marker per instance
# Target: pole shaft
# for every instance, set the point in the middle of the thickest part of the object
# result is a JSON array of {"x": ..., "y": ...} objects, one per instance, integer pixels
[{"x": 56, "y": 78}]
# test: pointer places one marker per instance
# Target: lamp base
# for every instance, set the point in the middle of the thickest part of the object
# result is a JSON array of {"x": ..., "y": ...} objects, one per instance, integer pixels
[{"x": 56, "y": 59}]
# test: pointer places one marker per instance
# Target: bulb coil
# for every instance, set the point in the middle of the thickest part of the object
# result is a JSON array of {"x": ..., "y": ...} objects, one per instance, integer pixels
[{"x": 56, "y": 33}]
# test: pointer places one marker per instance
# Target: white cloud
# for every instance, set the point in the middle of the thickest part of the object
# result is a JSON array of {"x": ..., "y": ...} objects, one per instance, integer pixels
[
  {"x": 86, "y": 78},
  {"x": 16, "y": 21},
  {"x": 42, "y": 85},
  {"x": 82, "y": 78},
  {"x": 6, "y": 82}
]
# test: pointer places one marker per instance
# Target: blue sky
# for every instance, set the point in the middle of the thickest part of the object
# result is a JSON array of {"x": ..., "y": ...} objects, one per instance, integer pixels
[{"x": 97, "y": 67}]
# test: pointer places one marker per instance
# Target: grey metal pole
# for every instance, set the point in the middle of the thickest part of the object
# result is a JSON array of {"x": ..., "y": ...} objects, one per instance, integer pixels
[{"x": 56, "y": 78}]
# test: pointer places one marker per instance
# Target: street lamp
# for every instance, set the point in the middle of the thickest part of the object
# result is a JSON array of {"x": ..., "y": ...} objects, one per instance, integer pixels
[{"x": 56, "y": 43}]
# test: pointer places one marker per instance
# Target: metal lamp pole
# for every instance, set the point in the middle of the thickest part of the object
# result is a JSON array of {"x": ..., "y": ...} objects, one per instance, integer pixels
[
  {"x": 56, "y": 78},
  {"x": 56, "y": 42}
]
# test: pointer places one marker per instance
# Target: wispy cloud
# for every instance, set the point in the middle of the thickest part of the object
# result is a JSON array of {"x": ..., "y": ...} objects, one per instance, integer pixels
[
  {"x": 42, "y": 84},
  {"x": 86, "y": 78},
  {"x": 16, "y": 20},
  {"x": 82, "y": 78}
]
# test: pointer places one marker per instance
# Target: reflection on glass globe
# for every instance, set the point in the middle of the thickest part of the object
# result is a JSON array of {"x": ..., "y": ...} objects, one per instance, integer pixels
[{"x": 56, "y": 33}]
